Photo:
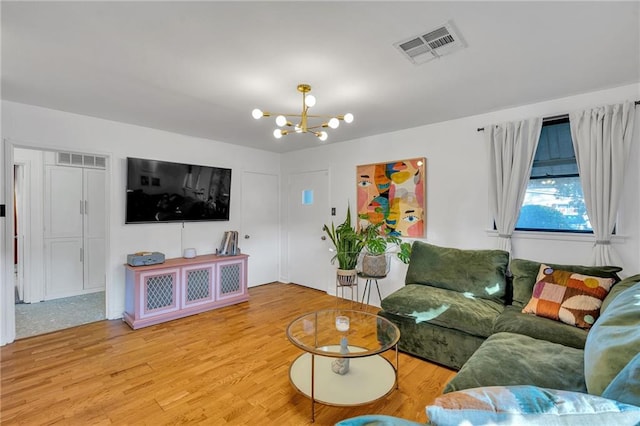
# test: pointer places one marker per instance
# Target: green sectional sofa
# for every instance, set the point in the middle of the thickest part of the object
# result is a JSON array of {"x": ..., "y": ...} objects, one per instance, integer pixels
[
  {"x": 461, "y": 309},
  {"x": 453, "y": 300}
]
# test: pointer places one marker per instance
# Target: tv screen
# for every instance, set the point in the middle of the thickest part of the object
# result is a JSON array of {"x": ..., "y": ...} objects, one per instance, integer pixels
[{"x": 162, "y": 191}]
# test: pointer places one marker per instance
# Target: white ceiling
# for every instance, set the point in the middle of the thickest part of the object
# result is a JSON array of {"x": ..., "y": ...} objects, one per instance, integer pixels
[{"x": 199, "y": 68}]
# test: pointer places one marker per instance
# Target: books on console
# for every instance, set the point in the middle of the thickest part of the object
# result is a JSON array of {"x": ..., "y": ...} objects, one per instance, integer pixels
[{"x": 229, "y": 244}]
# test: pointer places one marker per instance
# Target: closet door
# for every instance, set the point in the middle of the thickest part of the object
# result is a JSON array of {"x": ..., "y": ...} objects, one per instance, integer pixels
[
  {"x": 63, "y": 235},
  {"x": 63, "y": 202},
  {"x": 94, "y": 229},
  {"x": 63, "y": 267}
]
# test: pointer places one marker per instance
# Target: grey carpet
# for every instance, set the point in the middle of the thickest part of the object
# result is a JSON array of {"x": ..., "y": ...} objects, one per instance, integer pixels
[{"x": 44, "y": 317}]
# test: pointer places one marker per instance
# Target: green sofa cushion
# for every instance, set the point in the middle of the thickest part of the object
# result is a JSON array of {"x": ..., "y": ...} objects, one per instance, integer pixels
[
  {"x": 506, "y": 359},
  {"x": 441, "y": 345},
  {"x": 525, "y": 273},
  {"x": 512, "y": 320},
  {"x": 613, "y": 340},
  {"x": 480, "y": 273},
  {"x": 445, "y": 308}
]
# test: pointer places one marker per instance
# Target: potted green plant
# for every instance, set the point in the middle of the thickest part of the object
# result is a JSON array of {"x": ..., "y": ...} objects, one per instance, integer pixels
[
  {"x": 348, "y": 244},
  {"x": 376, "y": 246}
]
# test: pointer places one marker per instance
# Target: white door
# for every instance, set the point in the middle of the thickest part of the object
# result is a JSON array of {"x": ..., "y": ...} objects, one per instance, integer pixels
[
  {"x": 30, "y": 219},
  {"x": 260, "y": 233},
  {"x": 308, "y": 204},
  {"x": 63, "y": 202},
  {"x": 63, "y": 267},
  {"x": 63, "y": 245},
  {"x": 20, "y": 206},
  {"x": 94, "y": 229},
  {"x": 74, "y": 233}
]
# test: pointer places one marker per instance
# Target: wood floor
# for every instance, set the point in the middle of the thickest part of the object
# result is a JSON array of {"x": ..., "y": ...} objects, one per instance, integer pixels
[{"x": 227, "y": 366}]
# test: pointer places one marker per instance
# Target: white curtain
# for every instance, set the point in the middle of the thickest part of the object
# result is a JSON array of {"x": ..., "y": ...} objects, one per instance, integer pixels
[
  {"x": 512, "y": 147},
  {"x": 602, "y": 141}
]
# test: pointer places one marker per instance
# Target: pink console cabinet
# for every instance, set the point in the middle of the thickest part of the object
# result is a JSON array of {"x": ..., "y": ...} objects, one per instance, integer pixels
[{"x": 180, "y": 287}]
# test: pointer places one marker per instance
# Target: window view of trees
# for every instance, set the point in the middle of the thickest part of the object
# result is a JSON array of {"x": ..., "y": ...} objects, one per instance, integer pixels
[
  {"x": 555, "y": 204},
  {"x": 554, "y": 200}
]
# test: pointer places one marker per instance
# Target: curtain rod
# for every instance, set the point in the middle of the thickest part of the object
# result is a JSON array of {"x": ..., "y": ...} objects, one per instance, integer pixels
[{"x": 481, "y": 129}]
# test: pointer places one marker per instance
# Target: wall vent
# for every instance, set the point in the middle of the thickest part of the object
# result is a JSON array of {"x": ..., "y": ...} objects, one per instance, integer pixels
[
  {"x": 64, "y": 158},
  {"x": 76, "y": 159},
  {"x": 81, "y": 160},
  {"x": 431, "y": 44}
]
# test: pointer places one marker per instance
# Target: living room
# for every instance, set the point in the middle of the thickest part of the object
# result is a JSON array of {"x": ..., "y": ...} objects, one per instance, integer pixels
[{"x": 458, "y": 213}]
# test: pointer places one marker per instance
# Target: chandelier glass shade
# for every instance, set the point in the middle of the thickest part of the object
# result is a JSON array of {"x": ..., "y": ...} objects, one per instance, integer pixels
[{"x": 304, "y": 122}]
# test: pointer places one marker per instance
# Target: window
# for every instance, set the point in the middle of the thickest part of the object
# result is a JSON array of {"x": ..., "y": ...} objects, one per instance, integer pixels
[
  {"x": 554, "y": 200},
  {"x": 307, "y": 197}
]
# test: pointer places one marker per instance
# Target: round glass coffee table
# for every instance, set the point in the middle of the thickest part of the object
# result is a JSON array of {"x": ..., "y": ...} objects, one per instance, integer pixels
[{"x": 333, "y": 338}]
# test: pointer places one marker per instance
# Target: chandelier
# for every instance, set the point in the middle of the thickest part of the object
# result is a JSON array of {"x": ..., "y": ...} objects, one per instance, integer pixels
[{"x": 286, "y": 126}]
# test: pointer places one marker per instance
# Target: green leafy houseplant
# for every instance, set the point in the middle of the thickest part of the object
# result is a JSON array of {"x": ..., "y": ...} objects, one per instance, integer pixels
[
  {"x": 347, "y": 242},
  {"x": 376, "y": 243}
]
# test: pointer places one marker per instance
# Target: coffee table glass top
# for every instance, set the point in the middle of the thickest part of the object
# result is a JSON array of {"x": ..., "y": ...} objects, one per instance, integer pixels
[{"x": 320, "y": 333}]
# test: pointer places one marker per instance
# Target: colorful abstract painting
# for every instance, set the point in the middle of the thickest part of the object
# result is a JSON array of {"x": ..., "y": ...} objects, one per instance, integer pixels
[{"x": 393, "y": 194}]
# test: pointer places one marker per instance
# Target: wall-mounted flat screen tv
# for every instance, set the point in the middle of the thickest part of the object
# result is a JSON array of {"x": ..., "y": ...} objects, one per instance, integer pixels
[{"x": 162, "y": 191}]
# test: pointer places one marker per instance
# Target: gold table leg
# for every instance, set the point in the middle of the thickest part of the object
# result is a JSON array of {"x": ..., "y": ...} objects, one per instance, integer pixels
[{"x": 397, "y": 366}]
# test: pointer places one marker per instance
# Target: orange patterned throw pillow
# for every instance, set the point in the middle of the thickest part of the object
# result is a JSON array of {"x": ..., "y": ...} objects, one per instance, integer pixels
[{"x": 568, "y": 296}]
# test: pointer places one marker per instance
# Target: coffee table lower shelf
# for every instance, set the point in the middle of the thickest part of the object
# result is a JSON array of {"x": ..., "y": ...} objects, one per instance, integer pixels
[{"x": 369, "y": 379}]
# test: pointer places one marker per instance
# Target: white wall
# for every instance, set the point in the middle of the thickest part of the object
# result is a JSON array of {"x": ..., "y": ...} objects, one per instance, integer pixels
[
  {"x": 457, "y": 200},
  {"x": 35, "y": 127},
  {"x": 457, "y": 208}
]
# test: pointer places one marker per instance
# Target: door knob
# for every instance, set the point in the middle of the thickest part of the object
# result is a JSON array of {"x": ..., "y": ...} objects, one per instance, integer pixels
[{"x": 246, "y": 237}]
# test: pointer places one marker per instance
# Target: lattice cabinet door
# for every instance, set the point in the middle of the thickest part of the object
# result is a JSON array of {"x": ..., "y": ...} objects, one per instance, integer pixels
[
  {"x": 159, "y": 292},
  {"x": 230, "y": 279},
  {"x": 197, "y": 282}
]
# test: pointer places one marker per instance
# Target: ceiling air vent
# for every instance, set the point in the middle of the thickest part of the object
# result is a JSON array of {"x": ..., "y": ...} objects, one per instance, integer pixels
[{"x": 431, "y": 44}]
